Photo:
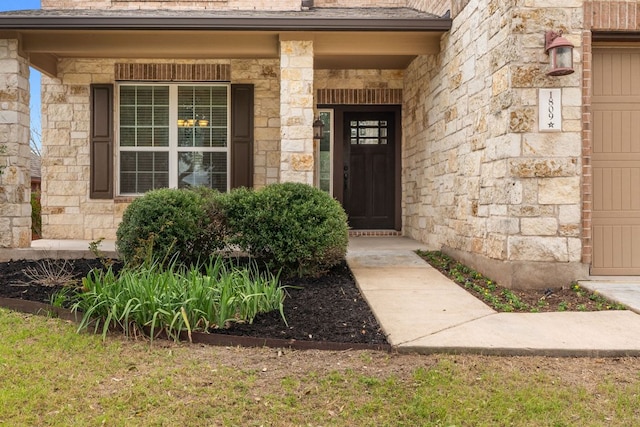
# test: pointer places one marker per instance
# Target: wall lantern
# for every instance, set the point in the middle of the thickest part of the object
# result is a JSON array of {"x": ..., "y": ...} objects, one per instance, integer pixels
[
  {"x": 560, "y": 51},
  {"x": 318, "y": 128}
]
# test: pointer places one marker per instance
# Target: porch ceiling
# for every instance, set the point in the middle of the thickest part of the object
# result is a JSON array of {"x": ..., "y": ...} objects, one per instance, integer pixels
[{"x": 342, "y": 39}]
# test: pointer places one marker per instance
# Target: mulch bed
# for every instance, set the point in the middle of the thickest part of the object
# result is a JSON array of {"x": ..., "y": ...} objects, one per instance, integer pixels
[{"x": 326, "y": 309}]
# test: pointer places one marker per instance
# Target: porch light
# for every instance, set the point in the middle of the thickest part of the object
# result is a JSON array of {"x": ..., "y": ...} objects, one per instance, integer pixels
[
  {"x": 318, "y": 127},
  {"x": 560, "y": 51}
]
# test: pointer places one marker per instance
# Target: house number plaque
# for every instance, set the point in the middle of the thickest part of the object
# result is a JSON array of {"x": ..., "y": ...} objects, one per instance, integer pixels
[{"x": 550, "y": 110}]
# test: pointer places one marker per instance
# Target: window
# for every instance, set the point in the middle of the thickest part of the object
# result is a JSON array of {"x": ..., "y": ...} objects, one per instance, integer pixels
[
  {"x": 369, "y": 132},
  {"x": 324, "y": 172},
  {"x": 173, "y": 135}
]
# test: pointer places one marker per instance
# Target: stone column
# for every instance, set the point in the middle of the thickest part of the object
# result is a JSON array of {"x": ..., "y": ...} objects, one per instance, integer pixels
[
  {"x": 15, "y": 181},
  {"x": 296, "y": 111}
]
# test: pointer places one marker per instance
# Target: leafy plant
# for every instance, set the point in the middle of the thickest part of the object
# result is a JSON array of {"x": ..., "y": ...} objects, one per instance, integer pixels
[
  {"x": 293, "y": 227},
  {"x": 94, "y": 248},
  {"x": 507, "y": 300},
  {"x": 36, "y": 213},
  {"x": 152, "y": 299}
]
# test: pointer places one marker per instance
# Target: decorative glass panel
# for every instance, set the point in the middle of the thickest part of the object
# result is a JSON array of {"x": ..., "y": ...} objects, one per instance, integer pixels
[
  {"x": 369, "y": 132},
  {"x": 324, "y": 166}
]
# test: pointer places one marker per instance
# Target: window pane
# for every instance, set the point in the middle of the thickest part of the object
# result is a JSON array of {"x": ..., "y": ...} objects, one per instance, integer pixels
[
  {"x": 143, "y": 171},
  {"x": 202, "y": 169},
  {"x": 127, "y": 95},
  {"x": 127, "y": 137},
  {"x": 218, "y": 116},
  {"x": 161, "y": 95},
  {"x": 143, "y": 108},
  {"x": 324, "y": 164},
  {"x": 144, "y": 137},
  {"x": 161, "y": 137},
  {"x": 127, "y": 116},
  {"x": 145, "y": 95},
  {"x": 161, "y": 116},
  {"x": 202, "y": 137},
  {"x": 219, "y": 96},
  {"x": 128, "y": 161},
  {"x": 219, "y": 137},
  {"x": 202, "y": 95}
]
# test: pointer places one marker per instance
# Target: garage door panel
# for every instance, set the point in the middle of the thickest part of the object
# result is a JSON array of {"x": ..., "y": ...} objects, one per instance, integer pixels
[
  {"x": 616, "y": 161},
  {"x": 616, "y": 247},
  {"x": 615, "y": 72}
]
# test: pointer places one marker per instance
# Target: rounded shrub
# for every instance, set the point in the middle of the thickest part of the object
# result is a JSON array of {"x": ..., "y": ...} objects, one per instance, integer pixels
[
  {"x": 293, "y": 227},
  {"x": 169, "y": 224}
]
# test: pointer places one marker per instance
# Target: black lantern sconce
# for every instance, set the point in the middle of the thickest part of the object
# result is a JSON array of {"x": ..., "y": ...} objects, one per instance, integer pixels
[
  {"x": 560, "y": 51},
  {"x": 318, "y": 128}
]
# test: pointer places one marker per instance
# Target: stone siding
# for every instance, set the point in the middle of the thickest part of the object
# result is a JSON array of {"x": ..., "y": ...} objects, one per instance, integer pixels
[
  {"x": 15, "y": 183},
  {"x": 359, "y": 79},
  {"x": 296, "y": 111},
  {"x": 173, "y": 4},
  {"x": 67, "y": 210},
  {"x": 438, "y": 7},
  {"x": 478, "y": 178}
]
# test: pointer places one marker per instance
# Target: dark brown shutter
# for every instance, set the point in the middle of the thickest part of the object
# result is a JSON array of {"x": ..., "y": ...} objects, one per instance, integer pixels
[
  {"x": 101, "y": 175},
  {"x": 241, "y": 135}
]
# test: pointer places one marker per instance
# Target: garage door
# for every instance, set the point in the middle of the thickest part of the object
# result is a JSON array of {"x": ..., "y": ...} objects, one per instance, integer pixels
[{"x": 616, "y": 161}]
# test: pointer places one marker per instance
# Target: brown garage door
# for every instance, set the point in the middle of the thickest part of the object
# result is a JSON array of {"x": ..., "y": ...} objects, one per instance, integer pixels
[{"x": 616, "y": 161}]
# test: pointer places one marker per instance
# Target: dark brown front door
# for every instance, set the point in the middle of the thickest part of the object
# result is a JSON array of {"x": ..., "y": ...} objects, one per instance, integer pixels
[{"x": 369, "y": 169}]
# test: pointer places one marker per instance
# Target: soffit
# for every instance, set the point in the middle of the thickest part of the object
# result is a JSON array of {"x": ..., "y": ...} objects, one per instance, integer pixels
[{"x": 343, "y": 38}]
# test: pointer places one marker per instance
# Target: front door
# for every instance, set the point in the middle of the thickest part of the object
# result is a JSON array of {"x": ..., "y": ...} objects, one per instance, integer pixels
[{"x": 369, "y": 169}]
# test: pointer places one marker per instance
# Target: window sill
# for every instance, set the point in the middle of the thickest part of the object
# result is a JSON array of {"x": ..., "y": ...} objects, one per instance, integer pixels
[{"x": 124, "y": 199}]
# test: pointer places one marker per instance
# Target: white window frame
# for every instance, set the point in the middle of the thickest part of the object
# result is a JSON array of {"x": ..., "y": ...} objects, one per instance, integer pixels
[{"x": 173, "y": 147}]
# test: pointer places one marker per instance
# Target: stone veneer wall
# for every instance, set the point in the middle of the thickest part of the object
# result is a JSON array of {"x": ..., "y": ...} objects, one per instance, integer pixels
[
  {"x": 296, "y": 111},
  {"x": 173, "y": 4},
  {"x": 438, "y": 7},
  {"x": 479, "y": 180},
  {"x": 358, "y": 79},
  {"x": 15, "y": 185},
  {"x": 67, "y": 211}
]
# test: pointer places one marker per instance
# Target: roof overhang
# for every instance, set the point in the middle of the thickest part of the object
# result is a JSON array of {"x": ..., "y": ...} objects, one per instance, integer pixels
[{"x": 341, "y": 41}]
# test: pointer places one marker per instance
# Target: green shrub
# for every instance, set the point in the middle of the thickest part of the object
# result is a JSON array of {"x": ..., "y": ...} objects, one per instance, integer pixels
[
  {"x": 293, "y": 227},
  {"x": 168, "y": 223},
  {"x": 36, "y": 214}
]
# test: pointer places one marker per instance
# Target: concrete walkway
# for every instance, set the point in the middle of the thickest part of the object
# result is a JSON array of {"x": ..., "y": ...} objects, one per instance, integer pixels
[{"x": 422, "y": 311}]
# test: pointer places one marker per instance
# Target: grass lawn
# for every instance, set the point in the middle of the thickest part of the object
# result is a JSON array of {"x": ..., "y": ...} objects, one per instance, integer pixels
[{"x": 49, "y": 375}]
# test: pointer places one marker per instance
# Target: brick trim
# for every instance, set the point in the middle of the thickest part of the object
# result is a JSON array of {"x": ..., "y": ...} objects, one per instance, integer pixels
[
  {"x": 173, "y": 72},
  {"x": 359, "y": 96},
  {"x": 587, "y": 177},
  {"x": 611, "y": 15}
]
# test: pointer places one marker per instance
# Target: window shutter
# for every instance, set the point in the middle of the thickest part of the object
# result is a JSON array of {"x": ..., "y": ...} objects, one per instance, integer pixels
[
  {"x": 241, "y": 135},
  {"x": 101, "y": 140}
]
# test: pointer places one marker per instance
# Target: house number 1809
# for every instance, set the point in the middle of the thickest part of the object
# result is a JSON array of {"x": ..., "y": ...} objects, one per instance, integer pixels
[{"x": 550, "y": 110}]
